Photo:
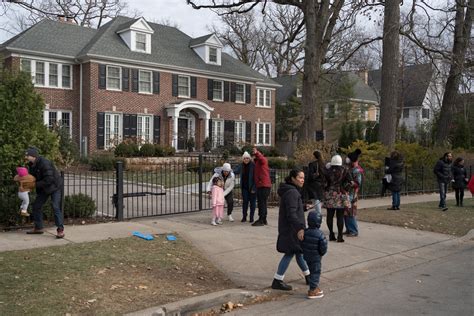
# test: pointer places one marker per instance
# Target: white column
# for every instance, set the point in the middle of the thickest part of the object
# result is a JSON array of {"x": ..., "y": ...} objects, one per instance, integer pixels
[
  {"x": 206, "y": 127},
  {"x": 175, "y": 132}
]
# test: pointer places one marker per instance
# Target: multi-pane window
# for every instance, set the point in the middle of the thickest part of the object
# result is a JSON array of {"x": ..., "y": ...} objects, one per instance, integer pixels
[
  {"x": 239, "y": 133},
  {"x": 331, "y": 110},
  {"x": 39, "y": 73},
  {"x": 66, "y": 120},
  {"x": 52, "y": 119},
  {"x": 212, "y": 54},
  {"x": 112, "y": 129},
  {"x": 425, "y": 113},
  {"x": 53, "y": 75},
  {"x": 217, "y": 133},
  {"x": 239, "y": 92},
  {"x": 113, "y": 78},
  {"x": 263, "y": 134},
  {"x": 58, "y": 118},
  {"x": 217, "y": 91},
  {"x": 406, "y": 113},
  {"x": 140, "y": 42},
  {"x": 264, "y": 98},
  {"x": 183, "y": 86},
  {"x": 144, "y": 81},
  {"x": 66, "y": 76},
  {"x": 26, "y": 66},
  {"x": 144, "y": 129}
]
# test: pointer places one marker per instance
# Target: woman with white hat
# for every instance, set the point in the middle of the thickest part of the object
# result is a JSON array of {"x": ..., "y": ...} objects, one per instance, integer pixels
[
  {"x": 229, "y": 181},
  {"x": 247, "y": 186}
]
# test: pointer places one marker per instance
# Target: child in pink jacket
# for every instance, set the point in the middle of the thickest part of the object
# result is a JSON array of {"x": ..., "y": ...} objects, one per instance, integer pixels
[{"x": 217, "y": 200}]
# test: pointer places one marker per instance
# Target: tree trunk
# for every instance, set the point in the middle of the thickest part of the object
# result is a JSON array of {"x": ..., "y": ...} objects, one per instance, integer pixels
[
  {"x": 390, "y": 73},
  {"x": 462, "y": 31}
]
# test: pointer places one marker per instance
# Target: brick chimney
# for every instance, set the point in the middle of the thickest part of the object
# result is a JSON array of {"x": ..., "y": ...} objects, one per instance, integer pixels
[{"x": 364, "y": 75}]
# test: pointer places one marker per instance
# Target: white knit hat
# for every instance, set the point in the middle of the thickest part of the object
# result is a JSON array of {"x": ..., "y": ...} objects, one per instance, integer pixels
[
  {"x": 226, "y": 167},
  {"x": 246, "y": 155},
  {"x": 336, "y": 160}
]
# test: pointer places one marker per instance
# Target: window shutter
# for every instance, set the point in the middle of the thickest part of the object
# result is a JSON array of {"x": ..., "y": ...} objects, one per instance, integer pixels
[
  {"x": 248, "y": 132},
  {"x": 210, "y": 89},
  {"x": 232, "y": 91},
  {"x": 174, "y": 90},
  {"x": 247, "y": 93},
  {"x": 156, "y": 129},
  {"x": 229, "y": 127},
  {"x": 102, "y": 76},
  {"x": 134, "y": 80},
  {"x": 193, "y": 87},
  {"x": 156, "y": 82},
  {"x": 100, "y": 130},
  {"x": 126, "y": 126},
  {"x": 125, "y": 79},
  {"x": 210, "y": 130},
  {"x": 133, "y": 125},
  {"x": 226, "y": 91}
]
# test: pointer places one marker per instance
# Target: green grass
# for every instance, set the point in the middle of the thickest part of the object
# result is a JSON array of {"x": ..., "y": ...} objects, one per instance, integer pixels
[
  {"x": 106, "y": 277},
  {"x": 425, "y": 216}
]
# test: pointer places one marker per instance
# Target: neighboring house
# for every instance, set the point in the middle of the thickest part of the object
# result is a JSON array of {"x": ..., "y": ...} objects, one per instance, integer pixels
[
  {"x": 135, "y": 79},
  {"x": 421, "y": 94},
  {"x": 362, "y": 103}
]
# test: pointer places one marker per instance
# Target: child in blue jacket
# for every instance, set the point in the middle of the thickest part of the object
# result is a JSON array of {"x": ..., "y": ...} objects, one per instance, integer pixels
[{"x": 315, "y": 245}]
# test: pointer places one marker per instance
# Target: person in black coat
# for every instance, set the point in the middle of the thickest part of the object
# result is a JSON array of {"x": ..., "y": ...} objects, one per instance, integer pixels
[
  {"x": 316, "y": 180},
  {"x": 395, "y": 169},
  {"x": 315, "y": 245},
  {"x": 48, "y": 184},
  {"x": 291, "y": 225},
  {"x": 443, "y": 174},
  {"x": 459, "y": 180}
]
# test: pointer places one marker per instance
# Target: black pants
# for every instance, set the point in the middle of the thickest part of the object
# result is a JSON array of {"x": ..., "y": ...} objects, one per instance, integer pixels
[
  {"x": 262, "y": 197},
  {"x": 229, "y": 198},
  {"x": 459, "y": 196},
  {"x": 340, "y": 220}
]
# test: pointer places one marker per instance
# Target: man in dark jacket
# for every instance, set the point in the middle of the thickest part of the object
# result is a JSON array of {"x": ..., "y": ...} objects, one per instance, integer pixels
[
  {"x": 247, "y": 186},
  {"x": 442, "y": 171},
  {"x": 48, "y": 184}
]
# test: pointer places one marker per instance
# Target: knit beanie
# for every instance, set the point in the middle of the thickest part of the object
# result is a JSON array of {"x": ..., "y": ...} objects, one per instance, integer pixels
[
  {"x": 354, "y": 156},
  {"x": 246, "y": 155},
  {"x": 32, "y": 151}
]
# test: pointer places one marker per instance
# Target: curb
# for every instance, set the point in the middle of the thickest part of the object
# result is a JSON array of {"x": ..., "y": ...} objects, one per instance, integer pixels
[{"x": 197, "y": 303}]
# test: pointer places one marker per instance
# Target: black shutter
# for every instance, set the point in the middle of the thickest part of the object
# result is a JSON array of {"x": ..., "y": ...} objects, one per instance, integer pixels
[
  {"x": 100, "y": 130},
  {"x": 156, "y": 129},
  {"x": 133, "y": 125},
  {"x": 126, "y": 126},
  {"x": 210, "y": 89},
  {"x": 193, "y": 87},
  {"x": 210, "y": 130},
  {"x": 229, "y": 127},
  {"x": 174, "y": 90},
  {"x": 102, "y": 76},
  {"x": 248, "y": 93},
  {"x": 125, "y": 79},
  {"x": 156, "y": 82},
  {"x": 226, "y": 91},
  {"x": 134, "y": 80},
  {"x": 232, "y": 91},
  {"x": 248, "y": 132}
]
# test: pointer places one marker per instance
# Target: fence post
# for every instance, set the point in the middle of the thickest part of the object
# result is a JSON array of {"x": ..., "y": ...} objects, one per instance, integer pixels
[
  {"x": 200, "y": 182},
  {"x": 119, "y": 187},
  {"x": 62, "y": 193},
  {"x": 422, "y": 179}
]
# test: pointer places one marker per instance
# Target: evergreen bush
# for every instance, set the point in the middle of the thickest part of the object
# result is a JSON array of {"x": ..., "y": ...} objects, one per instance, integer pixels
[
  {"x": 79, "y": 206},
  {"x": 147, "y": 150}
]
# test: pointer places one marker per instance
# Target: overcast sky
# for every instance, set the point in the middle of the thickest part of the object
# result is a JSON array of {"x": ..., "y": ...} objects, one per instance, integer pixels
[{"x": 190, "y": 21}]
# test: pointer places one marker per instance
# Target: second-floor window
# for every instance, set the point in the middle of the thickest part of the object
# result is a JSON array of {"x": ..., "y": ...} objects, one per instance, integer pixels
[
  {"x": 264, "y": 98},
  {"x": 140, "y": 42},
  {"x": 66, "y": 76},
  {"x": 144, "y": 81},
  {"x": 212, "y": 55},
  {"x": 113, "y": 78},
  {"x": 39, "y": 73},
  {"x": 240, "y": 93},
  {"x": 406, "y": 113},
  {"x": 331, "y": 110},
  {"x": 425, "y": 113},
  {"x": 53, "y": 75},
  {"x": 183, "y": 86},
  {"x": 47, "y": 74},
  {"x": 217, "y": 91}
]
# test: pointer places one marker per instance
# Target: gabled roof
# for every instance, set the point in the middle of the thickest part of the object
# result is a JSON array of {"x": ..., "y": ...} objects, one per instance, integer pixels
[
  {"x": 288, "y": 87},
  {"x": 416, "y": 80},
  {"x": 169, "y": 47},
  {"x": 199, "y": 40}
]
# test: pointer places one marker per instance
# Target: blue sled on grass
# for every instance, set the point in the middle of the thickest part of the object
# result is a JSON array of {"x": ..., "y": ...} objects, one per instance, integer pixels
[{"x": 143, "y": 236}]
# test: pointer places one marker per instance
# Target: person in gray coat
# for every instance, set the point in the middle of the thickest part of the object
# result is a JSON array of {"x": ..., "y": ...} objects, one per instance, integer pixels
[{"x": 443, "y": 174}]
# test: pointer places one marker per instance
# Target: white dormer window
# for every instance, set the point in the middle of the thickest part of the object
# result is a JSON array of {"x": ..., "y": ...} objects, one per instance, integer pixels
[
  {"x": 212, "y": 54},
  {"x": 137, "y": 35},
  {"x": 209, "y": 48},
  {"x": 140, "y": 41}
]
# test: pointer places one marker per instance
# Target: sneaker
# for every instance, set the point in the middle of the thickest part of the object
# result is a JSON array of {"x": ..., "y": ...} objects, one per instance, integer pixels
[
  {"x": 280, "y": 285},
  {"x": 35, "y": 231},
  {"x": 60, "y": 233},
  {"x": 24, "y": 213},
  {"x": 316, "y": 293},
  {"x": 231, "y": 219},
  {"x": 219, "y": 221},
  {"x": 213, "y": 223}
]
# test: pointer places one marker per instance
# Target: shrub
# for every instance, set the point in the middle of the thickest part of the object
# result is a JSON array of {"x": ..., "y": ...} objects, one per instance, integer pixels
[
  {"x": 206, "y": 167},
  {"x": 127, "y": 149},
  {"x": 372, "y": 156},
  {"x": 159, "y": 152},
  {"x": 207, "y": 145},
  {"x": 147, "y": 150},
  {"x": 102, "y": 162},
  {"x": 304, "y": 152},
  {"x": 169, "y": 151},
  {"x": 280, "y": 163},
  {"x": 79, "y": 206}
]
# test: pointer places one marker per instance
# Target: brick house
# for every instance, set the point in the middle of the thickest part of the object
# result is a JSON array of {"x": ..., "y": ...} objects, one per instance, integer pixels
[{"x": 135, "y": 79}]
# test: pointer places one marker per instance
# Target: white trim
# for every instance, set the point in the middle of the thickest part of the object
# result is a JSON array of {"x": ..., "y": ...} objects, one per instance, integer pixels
[
  {"x": 244, "y": 93},
  {"x": 244, "y": 127},
  {"x": 265, "y": 142},
  {"x": 265, "y": 91},
  {"x": 220, "y": 141},
  {"x": 59, "y": 113},
  {"x": 221, "y": 99},
  {"x": 151, "y": 81},
  {"x": 107, "y": 78},
  {"x": 189, "y": 87}
]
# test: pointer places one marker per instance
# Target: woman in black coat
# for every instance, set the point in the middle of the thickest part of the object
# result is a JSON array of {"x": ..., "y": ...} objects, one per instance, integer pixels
[
  {"x": 459, "y": 180},
  {"x": 316, "y": 180},
  {"x": 291, "y": 225},
  {"x": 395, "y": 169}
]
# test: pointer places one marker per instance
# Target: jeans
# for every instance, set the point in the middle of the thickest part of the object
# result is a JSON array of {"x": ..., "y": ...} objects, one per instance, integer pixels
[
  {"x": 248, "y": 198},
  {"x": 396, "y": 199},
  {"x": 229, "y": 198},
  {"x": 285, "y": 262},
  {"x": 315, "y": 273},
  {"x": 41, "y": 198},
  {"x": 25, "y": 200},
  {"x": 262, "y": 197},
  {"x": 351, "y": 225},
  {"x": 443, "y": 188}
]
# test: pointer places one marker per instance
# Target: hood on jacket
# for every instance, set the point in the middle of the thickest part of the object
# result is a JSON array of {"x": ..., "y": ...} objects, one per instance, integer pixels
[
  {"x": 285, "y": 187},
  {"x": 314, "y": 219}
]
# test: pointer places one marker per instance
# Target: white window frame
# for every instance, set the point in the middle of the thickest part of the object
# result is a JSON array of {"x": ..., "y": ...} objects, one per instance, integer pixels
[
  {"x": 137, "y": 34},
  {"x": 210, "y": 54},
  {"x": 44, "y": 74},
  {"x": 217, "y": 132},
  {"x": 56, "y": 75},
  {"x": 144, "y": 129},
  {"x": 150, "y": 76},
  {"x": 243, "y": 92},
  {"x": 221, "y": 98},
  {"x": 112, "y": 134},
  {"x": 47, "y": 73},
  {"x": 107, "y": 78},
  {"x": 59, "y": 118},
  {"x": 266, "y": 96},
  {"x": 188, "y": 78},
  {"x": 263, "y": 139},
  {"x": 239, "y": 133},
  {"x": 69, "y": 75}
]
